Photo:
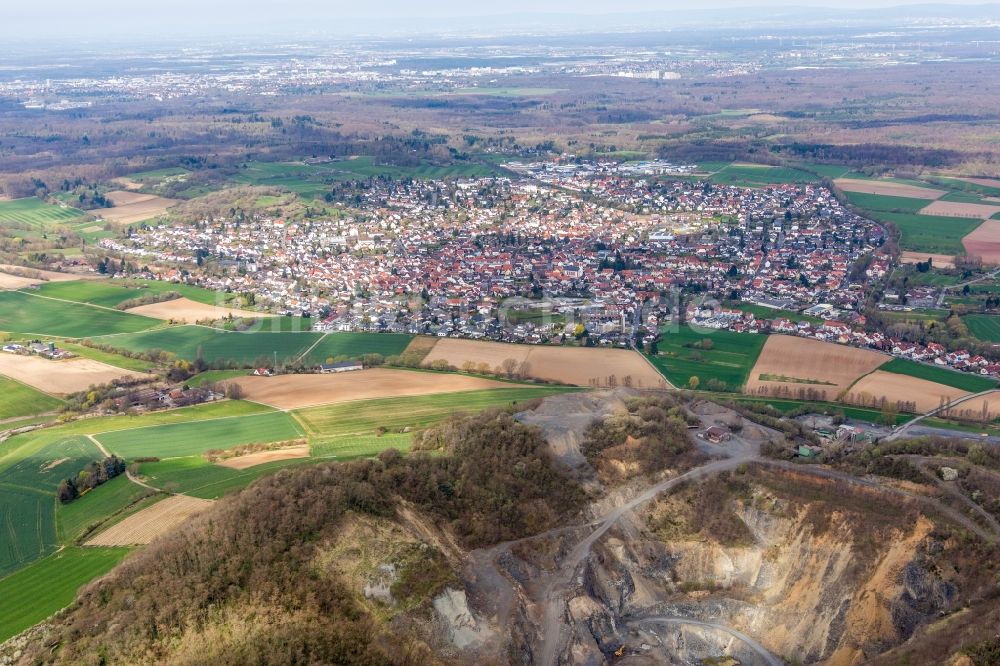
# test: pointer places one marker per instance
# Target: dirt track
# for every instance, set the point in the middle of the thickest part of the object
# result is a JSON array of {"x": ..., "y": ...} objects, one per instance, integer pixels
[
  {"x": 183, "y": 309},
  {"x": 142, "y": 527},
  {"x": 579, "y": 366},
  {"x": 60, "y": 377},
  {"x": 294, "y": 391}
]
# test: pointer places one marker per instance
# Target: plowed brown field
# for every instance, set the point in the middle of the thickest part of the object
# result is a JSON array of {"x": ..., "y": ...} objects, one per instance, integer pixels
[
  {"x": 295, "y": 391},
  {"x": 579, "y": 366},
  {"x": 984, "y": 242},
  {"x": 161, "y": 518},
  {"x": 60, "y": 377},
  {"x": 261, "y": 457},
  {"x": 959, "y": 209},
  {"x": 132, "y": 207},
  {"x": 902, "y": 388},
  {"x": 887, "y": 188},
  {"x": 939, "y": 260},
  {"x": 822, "y": 366},
  {"x": 184, "y": 309}
]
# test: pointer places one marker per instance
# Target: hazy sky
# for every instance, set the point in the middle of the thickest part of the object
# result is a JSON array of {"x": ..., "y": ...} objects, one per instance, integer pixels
[{"x": 31, "y": 19}]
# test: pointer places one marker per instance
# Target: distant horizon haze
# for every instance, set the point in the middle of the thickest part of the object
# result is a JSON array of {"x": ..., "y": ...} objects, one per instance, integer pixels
[{"x": 47, "y": 20}]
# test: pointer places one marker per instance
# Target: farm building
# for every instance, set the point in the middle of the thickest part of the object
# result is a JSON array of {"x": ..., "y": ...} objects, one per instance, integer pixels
[
  {"x": 344, "y": 366},
  {"x": 717, "y": 434}
]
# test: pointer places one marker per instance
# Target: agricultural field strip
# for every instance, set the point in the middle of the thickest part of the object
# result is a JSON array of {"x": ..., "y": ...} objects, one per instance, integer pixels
[
  {"x": 124, "y": 319},
  {"x": 200, "y": 422},
  {"x": 35, "y": 592},
  {"x": 64, "y": 300},
  {"x": 312, "y": 347}
]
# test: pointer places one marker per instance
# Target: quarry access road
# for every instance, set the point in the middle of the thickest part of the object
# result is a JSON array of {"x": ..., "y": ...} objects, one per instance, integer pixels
[
  {"x": 555, "y": 594},
  {"x": 761, "y": 651}
]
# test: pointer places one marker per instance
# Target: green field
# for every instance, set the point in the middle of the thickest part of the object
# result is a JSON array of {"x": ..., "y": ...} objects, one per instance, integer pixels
[
  {"x": 108, "y": 500},
  {"x": 156, "y": 175},
  {"x": 25, "y": 313},
  {"x": 826, "y": 170},
  {"x": 22, "y": 400},
  {"x": 756, "y": 176},
  {"x": 111, "y": 293},
  {"x": 914, "y": 316},
  {"x": 49, "y": 585},
  {"x": 313, "y": 180},
  {"x": 258, "y": 347},
  {"x": 32, "y": 465},
  {"x": 786, "y": 406},
  {"x": 729, "y": 360},
  {"x": 985, "y": 327},
  {"x": 218, "y": 346},
  {"x": 36, "y": 213},
  {"x": 212, "y": 376},
  {"x": 332, "y": 426},
  {"x": 185, "y": 439},
  {"x": 193, "y": 475},
  {"x": 117, "y": 360},
  {"x": 30, "y": 471},
  {"x": 886, "y": 203},
  {"x": 929, "y": 233},
  {"x": 960, "y": 380},
  {"x": 956, "y": 184},
  {"x": 356, "y": 344}
]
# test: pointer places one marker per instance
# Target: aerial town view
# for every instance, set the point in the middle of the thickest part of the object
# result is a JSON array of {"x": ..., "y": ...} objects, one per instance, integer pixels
[{"x": 540, "y": 334}]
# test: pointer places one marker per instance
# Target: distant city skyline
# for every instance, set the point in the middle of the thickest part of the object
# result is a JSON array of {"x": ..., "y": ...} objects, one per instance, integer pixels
[{"x": 27, "y": 21}]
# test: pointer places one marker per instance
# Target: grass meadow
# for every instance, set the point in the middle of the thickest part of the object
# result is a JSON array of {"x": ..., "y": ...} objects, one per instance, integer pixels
[
  {"x": 26, "y": 313},
  {"x": 111, "y": 293},
  {"x": 36, "y": 214},
  {"x": 22, "y": 400},
  {"x": 985, "y": 327},
  {"x": 960, "y": 380},
  {"x": 757, "y": 176},
  {"x": 49, "y": 585},
  {"x": 729, "y": 360},
  {"x": 195, "y": 437},
  {"x": 261, "y": 347},
  {"x": 103, "y": 503}
]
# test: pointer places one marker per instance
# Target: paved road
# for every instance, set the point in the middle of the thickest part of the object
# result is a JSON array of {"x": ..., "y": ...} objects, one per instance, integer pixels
[
  {"x": 954, "y": 403},
  {"x": 768, "y": 658}
]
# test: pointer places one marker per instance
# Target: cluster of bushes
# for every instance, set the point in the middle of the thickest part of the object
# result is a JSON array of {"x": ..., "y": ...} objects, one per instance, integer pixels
[
  {"x": 103, "y": 394},
  {"x": 152, "y": 355},
  {"x": 767, "y": 415},
  {"x": 652, "y": 435},
  {"x": 148, "y": 299},
  {"x": 240, "y": 583},
  {"x": 705, "y": 509},
  {"x": 215, "y": 455},
  {"x": 91, "y": 476}
]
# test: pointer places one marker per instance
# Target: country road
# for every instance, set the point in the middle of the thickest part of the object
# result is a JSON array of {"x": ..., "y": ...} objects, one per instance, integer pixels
[
  {"x": 896, "y": 434},
  {"x": 768, "y": 658}
]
